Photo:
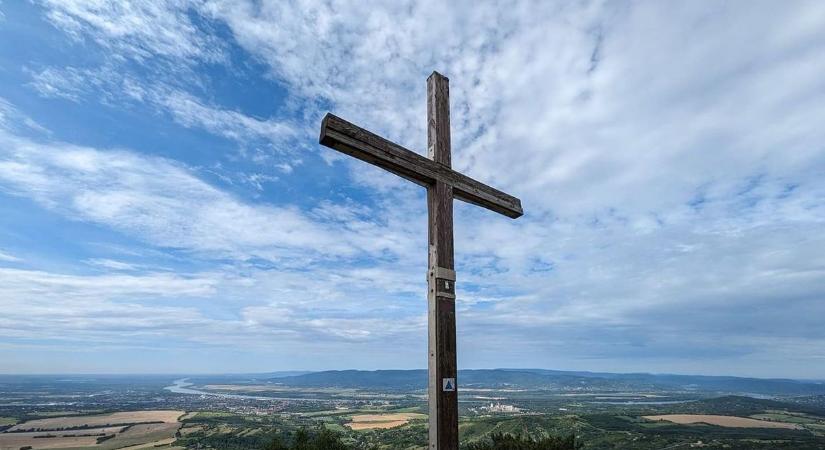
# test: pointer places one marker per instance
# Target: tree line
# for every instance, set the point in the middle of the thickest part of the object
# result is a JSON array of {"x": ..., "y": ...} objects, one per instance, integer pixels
[{"x": 325, "y": 439}]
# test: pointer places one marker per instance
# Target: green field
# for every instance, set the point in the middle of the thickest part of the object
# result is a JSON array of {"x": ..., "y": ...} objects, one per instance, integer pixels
[
  {"x": 788, "y": 418},
  {"x": 596, "y": 431},
  {"x": 7, "y": 421}
]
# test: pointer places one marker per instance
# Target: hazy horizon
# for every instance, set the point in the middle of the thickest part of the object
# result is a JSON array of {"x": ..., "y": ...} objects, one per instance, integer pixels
[
  {"x": 295, "y": 371},
  {"x": 165, "y": 205}
]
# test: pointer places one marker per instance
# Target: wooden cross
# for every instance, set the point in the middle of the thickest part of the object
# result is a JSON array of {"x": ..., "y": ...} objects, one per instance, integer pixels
[{"x": 443, "y": 184}]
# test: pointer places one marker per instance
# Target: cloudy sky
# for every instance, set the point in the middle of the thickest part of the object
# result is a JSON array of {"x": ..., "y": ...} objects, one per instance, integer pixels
[{"x": 165, "y": 206}]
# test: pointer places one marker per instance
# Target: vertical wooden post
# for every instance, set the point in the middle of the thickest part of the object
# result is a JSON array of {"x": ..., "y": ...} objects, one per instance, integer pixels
[
  {"x": 443, "y": 390},
  {"x": 442, "y": 184}
]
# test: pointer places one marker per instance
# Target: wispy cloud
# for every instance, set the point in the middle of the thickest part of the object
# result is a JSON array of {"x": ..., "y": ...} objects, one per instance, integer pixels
[
  {"x": 189, "y": 111},
  {"x": 160, "y": 201},
  {"x": 95, "y": 308},
  {"x": 13, "y": 120},
  {"x": 8, "y": 257},
  {"x": 109, "y": 85},
  {"x": 164, "y": 204},
  {"x": 113, "y": 264},
  {"x": 138, "y": 29},
  {"x": 539, "y": 94}
]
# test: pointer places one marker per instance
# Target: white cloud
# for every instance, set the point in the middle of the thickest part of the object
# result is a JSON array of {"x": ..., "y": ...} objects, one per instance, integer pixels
[
  {"x": 164, "y": 204},
  {"x": 190, "y": 112},
  {"x": 138, "y": 29},
  {"x": 11, "y": 119},
  {"x": 106, "y": 308},
  {"x": 669, "y": 157},
  {"x": 134, "y": 310},
  {"x": 67, "y": 84},
  {"x": 638, "y": 128},
  {"x": 23, "y": 283},
  {"x": 109, "y": 85},
  {"x": 158, "y": 200},
  {"x": 112, "y": 264},
  {"x": 8, "y": 257},
  {"x": 575, "y": 90}
]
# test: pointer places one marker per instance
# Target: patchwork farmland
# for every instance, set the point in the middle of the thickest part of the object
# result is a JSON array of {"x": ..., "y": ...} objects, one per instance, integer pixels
[{"x": 133, "y": 429}]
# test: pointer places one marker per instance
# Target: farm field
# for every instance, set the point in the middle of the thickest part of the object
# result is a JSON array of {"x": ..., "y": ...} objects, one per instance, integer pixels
[
  {"x": 133, "y": 429},
  {"x": 784, "y": 416},
  {"x": 382, "y": 421},
  {"x": 118, "y": 418},
  {"x": 722, "y": 421},
  {"x": 14, "y": 441}
]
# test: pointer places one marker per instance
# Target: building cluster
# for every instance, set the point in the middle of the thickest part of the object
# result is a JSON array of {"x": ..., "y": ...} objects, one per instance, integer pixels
[{"x": 499, "y": 408}]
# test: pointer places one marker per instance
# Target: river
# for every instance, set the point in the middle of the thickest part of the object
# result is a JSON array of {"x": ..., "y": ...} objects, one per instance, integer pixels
[{"x": 182, "y": 387}]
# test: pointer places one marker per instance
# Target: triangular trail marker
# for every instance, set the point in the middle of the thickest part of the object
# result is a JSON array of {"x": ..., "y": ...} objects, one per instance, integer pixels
[{"x": 448, "y": 385}]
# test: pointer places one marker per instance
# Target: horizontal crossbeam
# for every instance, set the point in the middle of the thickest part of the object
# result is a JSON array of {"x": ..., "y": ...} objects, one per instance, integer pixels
[{"x": 357, "y": 142}]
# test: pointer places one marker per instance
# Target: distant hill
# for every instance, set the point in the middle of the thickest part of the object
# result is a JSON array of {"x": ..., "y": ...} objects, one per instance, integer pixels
[
  {"x": 245, "y": 378},
  {"x": 365, "y": 379},
  {"x": 553, "y": 379}
]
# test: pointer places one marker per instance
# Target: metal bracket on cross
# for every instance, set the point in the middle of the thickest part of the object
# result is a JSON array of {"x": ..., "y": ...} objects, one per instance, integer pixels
[
  {"x": 444, "y": 281},
  {"x": 444, "y": 273}
]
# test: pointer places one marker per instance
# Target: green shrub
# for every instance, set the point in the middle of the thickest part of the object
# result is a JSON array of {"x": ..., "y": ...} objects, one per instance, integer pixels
[
  {"x": 303, "y": 440},
  {"x": 510, "y": 442}
]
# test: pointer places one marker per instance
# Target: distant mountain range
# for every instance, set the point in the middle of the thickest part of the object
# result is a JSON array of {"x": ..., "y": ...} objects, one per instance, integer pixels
[{"x": 549, "y": 379}]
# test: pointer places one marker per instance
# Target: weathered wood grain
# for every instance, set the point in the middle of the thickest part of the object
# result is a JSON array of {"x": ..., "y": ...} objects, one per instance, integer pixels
[
  {"x": 438, "y": 119},
  {"x": 443, "y": 406},
  {"x": 359, "y": 143}
]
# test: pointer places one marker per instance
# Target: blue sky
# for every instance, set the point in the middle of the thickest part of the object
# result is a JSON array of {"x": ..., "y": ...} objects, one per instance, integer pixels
[{"x": 165, "y": 206}]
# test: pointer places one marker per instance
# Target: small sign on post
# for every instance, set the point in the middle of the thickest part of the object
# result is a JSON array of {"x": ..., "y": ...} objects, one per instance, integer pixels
[{"x": 448, "y": 384}]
